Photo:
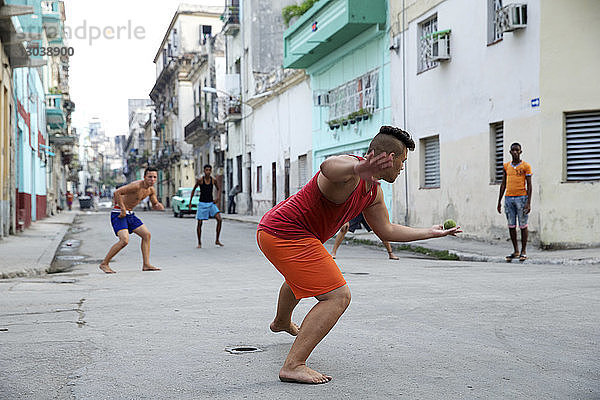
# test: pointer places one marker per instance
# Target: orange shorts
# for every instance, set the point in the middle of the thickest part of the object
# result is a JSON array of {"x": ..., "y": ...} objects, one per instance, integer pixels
[{"x": 306, "y": 265}]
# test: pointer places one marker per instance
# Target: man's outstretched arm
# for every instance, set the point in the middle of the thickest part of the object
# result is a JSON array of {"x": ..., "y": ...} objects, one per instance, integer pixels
[
  {"x": 378, "y": 219},
  {"x": 156, "y": 205}
]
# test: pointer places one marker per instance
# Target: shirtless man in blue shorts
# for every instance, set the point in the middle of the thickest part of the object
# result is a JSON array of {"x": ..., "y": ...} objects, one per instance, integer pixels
[{"x": 124, "y": 220}]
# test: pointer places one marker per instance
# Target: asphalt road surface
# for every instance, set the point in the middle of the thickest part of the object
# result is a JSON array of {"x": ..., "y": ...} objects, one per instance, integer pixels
[{"x": 417, "y": 328}]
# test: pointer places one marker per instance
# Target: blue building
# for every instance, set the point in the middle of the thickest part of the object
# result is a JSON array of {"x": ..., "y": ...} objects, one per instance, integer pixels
[
  {"x": 343, "y": 46},
  {"x": 32, "y": 149}
]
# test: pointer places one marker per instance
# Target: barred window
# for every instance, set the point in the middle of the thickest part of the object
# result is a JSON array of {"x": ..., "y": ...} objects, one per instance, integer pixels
[
  {"x": 426, "y": 30},
  {"x": 360, "y": 94},
  {"x": 494, "y": 21}
]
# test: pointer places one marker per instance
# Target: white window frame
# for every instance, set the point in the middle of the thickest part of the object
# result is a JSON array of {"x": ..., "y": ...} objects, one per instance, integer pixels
[{"x": 259, "y": 179}]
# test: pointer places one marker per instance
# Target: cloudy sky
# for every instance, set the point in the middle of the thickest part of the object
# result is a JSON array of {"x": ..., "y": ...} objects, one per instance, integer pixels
[{"x": 106, "y": 71}]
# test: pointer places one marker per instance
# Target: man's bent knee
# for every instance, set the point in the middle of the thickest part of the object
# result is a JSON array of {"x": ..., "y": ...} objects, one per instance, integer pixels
[
  {"x": 340, "y": 295},
  {"x": 123, "y": 242}
]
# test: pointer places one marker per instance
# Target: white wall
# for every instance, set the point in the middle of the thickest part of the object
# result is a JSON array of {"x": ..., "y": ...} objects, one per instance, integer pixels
[
  {"x": 282, "y": 129},
  {"x": 458, "y": 100}
]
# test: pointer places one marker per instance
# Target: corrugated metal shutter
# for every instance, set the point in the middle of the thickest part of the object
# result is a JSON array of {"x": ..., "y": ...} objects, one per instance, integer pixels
[
  {"x": 302, "y": 170},
  {"x": 432, "y": 161},
  {"x": 499, "y": 141},
  {"x": 583, "y": 145}
]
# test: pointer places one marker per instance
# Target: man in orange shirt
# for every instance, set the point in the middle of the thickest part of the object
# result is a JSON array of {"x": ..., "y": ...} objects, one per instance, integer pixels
[{"x": 516, "y": 180}]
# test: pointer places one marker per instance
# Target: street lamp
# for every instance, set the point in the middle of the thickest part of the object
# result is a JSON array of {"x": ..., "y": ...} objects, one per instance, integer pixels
[{"x": 207, "y": 89}]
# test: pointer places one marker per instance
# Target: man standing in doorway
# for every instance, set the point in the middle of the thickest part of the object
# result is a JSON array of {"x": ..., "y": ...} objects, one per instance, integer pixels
[
  {"x": 234, "y": 192},
  {"x": 124, "y": 221},
  {"x": 516, "y": 180},
  {"x": 207, "y": 207}
]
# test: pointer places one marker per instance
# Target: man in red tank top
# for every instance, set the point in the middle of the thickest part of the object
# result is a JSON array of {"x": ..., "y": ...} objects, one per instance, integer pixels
[{"x": 291, "y": 236}]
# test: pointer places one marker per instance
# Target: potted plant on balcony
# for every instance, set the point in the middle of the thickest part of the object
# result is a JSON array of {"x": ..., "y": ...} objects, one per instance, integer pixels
[
  {"x": 334, "y": 124},
  {"x": 364, "y": 114}
]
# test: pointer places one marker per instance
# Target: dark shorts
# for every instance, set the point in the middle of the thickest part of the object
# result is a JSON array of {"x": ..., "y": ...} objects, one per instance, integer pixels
[
  {"x": 129, "y": 222},
  {"x": 357, "y": 222}
]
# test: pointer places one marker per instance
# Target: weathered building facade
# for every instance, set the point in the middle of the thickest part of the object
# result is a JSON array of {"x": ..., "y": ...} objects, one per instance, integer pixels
[
  {"x": 468, "y": 89},
  {"x": 173, "y": 95}
]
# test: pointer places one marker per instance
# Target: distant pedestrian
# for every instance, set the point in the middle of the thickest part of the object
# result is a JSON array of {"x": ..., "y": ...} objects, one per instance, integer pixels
[
  {"x": 69, "y": 199},
  {"x": 291, "y": 236},
  {"x": 124, "y": 220},
  {"x": 231, "y": 199},
  {"x": 207, "y": 207},
  {"x": 353, "y": 225},
  {"x": 516, "y": 180}
]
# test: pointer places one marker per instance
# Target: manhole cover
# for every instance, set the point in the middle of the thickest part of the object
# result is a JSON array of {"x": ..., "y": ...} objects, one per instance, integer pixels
[
  {"x": 242, "y": 349},
  {"x": 64, "y": 280},
  {"x": 70, "y": 258}
]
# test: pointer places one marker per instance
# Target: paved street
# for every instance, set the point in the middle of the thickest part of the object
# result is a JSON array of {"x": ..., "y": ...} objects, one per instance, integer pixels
[{"x": 417, "y": 328}]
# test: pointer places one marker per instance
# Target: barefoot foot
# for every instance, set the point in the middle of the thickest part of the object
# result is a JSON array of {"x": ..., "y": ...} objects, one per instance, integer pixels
[
  {"x": 302, "y": 374},
  {"x": 107, "y": 269},
  {"x": 290, "y": 328},
  {"x": 199, "y": 246},
  {"x": 150, "y": 268},
  {"x": 219, "y": 243},
  {"x": 393, "y": 256}
]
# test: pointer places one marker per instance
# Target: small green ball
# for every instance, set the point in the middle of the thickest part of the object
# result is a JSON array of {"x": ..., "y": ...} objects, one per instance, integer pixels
[{"x": 449, "y": 224}]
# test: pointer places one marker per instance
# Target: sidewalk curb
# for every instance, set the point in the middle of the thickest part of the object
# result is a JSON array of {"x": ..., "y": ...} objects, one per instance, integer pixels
[
  {"x": 44, "y": 261},
  {"x": 462, "y": 256},
  {"x": 238, "y": 219}
]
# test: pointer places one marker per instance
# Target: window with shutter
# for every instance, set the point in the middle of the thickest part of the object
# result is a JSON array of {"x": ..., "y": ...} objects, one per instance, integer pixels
[
  {"x": 302, "y": 170},
  {"x": 431, "y": 162},
  {"x": 497, "y": 130},
  {"x": 583, "y": 145}
]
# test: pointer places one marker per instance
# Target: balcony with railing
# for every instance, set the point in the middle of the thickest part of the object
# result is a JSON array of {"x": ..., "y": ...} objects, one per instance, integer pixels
[
  {"x": 55, "y": 115},
  {"x": 233, "y": 110},
  {"x": 52, "y": 21},
  {"x": 199, "y": 131},
  {"x": 231, "y": 18},
  {"x": 327, "y": 26}
]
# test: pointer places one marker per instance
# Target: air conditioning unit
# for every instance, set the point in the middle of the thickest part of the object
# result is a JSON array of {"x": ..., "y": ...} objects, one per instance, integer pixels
[
  {"x": 514, "y": 17},
  {"x": 440, "y": 45}
]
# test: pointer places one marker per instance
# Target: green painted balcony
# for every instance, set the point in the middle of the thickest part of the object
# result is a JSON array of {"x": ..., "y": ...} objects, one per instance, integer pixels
[
  {"x": 328, "y": 25},
  {"x": 52, "y": 22},
  {"x": 55, "y": 115}
]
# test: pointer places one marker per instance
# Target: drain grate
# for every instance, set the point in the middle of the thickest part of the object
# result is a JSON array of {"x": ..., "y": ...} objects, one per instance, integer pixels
[
  {"x": 242, "y": 349},
  {"x": 356, "y": 273}
]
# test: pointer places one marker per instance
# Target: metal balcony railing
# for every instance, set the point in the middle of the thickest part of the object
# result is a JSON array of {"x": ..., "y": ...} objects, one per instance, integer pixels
[{"x": 231, "y": 18}]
